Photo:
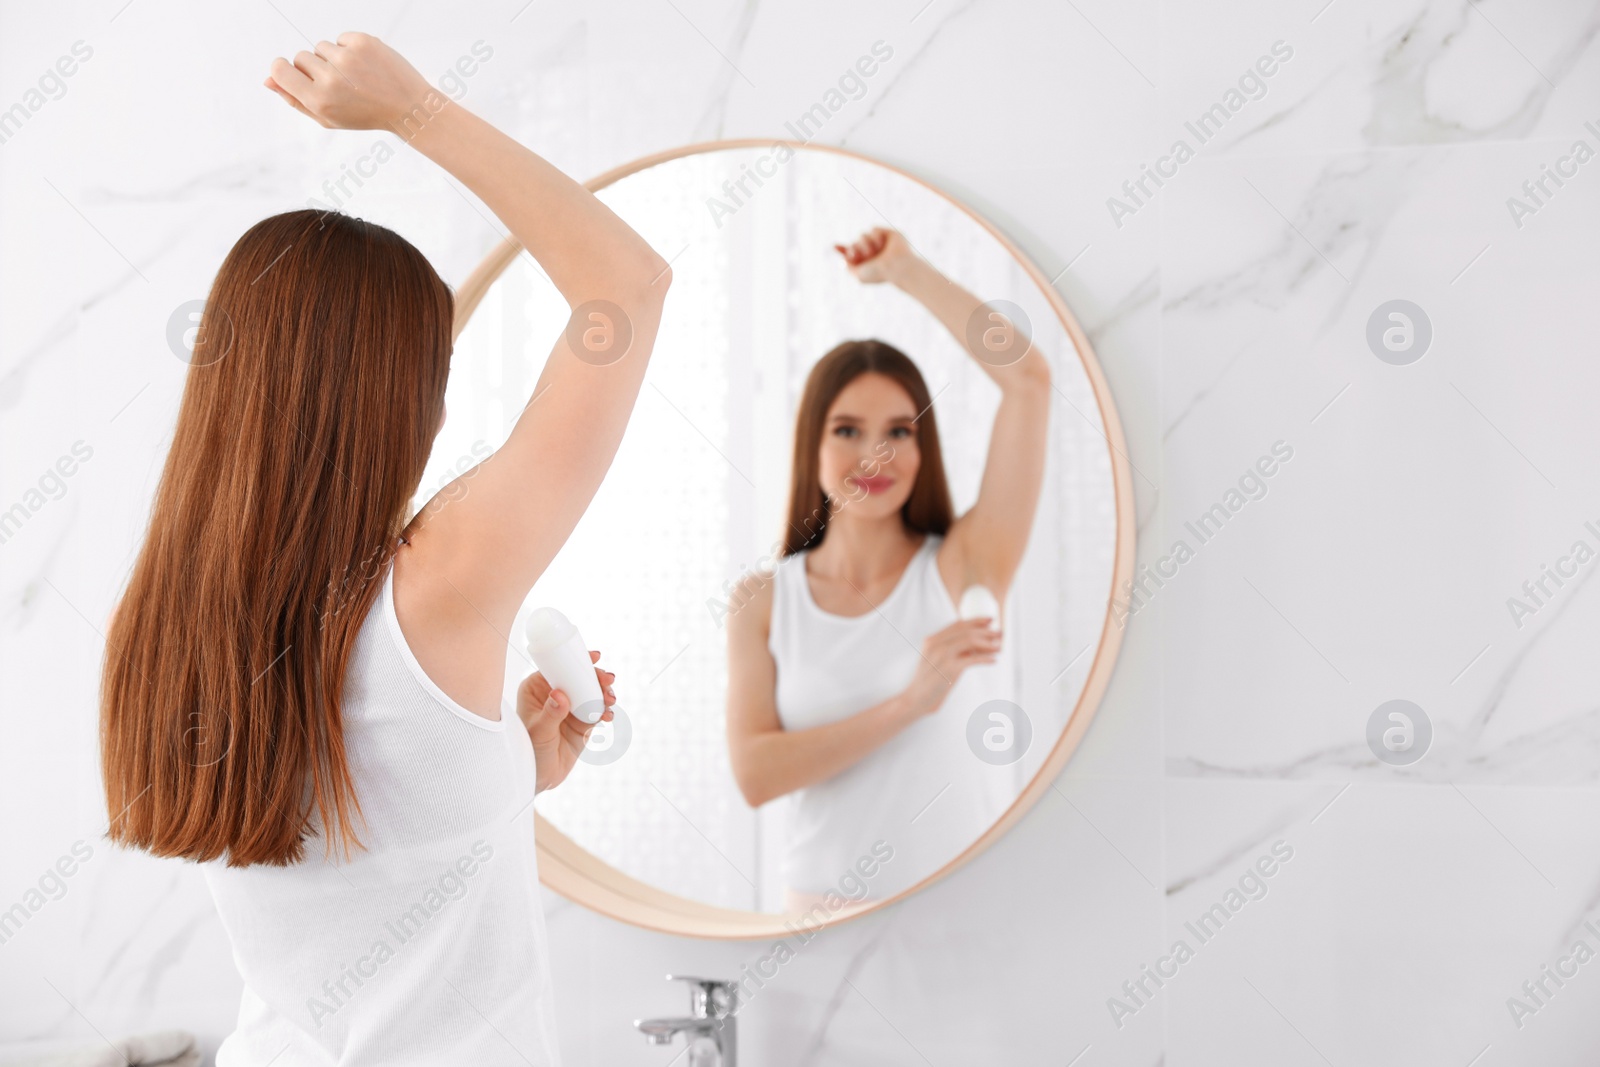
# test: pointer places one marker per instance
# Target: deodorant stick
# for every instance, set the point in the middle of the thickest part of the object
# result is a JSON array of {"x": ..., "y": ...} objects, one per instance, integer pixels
[
  {"x": 977, "y": 602},
  {"x": 561, "y": 656}
]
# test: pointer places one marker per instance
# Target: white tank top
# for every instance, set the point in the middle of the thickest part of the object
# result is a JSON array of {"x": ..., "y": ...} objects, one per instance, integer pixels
[
  {"x": 923, "y": 792},
  {"x": 429, "y": 947}
]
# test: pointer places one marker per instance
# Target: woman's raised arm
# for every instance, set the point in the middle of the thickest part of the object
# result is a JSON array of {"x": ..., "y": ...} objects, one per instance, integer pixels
[
  {"x": 993, "y": 534},
  {"x": 472, "y": 563}
]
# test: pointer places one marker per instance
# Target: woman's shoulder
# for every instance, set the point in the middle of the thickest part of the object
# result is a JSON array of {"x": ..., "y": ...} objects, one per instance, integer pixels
[{"x": 751, "y": 596}]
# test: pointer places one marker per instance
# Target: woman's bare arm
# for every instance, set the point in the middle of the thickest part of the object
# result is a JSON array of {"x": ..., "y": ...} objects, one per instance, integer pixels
[
  {"x": 524, "y": 501},
  {"x": 769, "y": 761},
  {"x": 471, "y": 564},
  {"x": 991, "y": 537}
]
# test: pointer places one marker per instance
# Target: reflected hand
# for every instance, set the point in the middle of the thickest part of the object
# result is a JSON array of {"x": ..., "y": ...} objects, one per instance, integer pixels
[
  {"x": 877, "y": 256},
  {"x": 945, "y": 655},
  {"x": 358, "y": 83},
  {"x": 558, "y": 736}
]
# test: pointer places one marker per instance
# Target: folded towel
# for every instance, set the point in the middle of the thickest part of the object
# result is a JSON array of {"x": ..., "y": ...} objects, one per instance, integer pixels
[{"x": 164, "y": 1048}]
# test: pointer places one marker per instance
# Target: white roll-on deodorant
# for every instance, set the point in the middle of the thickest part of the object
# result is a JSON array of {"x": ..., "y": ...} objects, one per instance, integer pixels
[
  {"x": 978, "y": 602},
  {"x": 558, "y": 651}
]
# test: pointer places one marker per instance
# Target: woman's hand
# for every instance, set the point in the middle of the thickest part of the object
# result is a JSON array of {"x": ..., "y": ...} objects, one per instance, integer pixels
[
  {"x": 358, "y": 83},
  {"x": 945, "y": 655},
  {"x": 558, "y": 736},
  {"x": 878, "y": 256}
]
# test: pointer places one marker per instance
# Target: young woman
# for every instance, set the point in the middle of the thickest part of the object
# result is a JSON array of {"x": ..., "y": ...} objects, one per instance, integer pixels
[
  {"x": 845, "y": 664},
  {"x": 292, "y": 662}
]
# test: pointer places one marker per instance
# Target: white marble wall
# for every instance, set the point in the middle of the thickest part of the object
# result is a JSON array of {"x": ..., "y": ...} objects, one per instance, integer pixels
[{"x": 1229, "y": 312}]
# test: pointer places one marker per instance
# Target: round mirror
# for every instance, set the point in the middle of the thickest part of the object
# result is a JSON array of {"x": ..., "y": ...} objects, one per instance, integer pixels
[{"x": 694, "y": 516}]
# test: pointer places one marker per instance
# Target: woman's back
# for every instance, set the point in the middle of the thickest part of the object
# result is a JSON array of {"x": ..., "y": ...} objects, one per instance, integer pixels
[{"x": 428, "y": 947}]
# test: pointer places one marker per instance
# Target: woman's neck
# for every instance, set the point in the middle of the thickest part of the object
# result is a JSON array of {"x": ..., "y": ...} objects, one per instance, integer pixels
[{"x": 864, "y": 550}]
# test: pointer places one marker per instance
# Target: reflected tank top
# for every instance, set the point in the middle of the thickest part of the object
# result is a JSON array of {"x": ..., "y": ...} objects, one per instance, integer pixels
[{"x": 923, "y": 793}]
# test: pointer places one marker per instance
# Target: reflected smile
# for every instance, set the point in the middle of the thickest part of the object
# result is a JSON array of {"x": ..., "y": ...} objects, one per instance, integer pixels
[{"x": 872, "y": 485}]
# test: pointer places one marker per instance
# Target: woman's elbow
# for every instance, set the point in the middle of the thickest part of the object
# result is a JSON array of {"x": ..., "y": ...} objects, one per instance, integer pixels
[
  {"x": 652, "y": 281},
  {"x": 1037, "y": 368},
  {"x": 751, "y": 784},
  {"x": 751, "y": 789}
]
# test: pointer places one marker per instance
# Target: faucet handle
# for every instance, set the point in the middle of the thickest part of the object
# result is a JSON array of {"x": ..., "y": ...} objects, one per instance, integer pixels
[{"x": 709, "y": 998}]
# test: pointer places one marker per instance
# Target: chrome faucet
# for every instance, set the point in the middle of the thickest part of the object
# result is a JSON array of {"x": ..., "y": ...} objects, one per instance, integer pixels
[{"x": 712, "y": 1006}]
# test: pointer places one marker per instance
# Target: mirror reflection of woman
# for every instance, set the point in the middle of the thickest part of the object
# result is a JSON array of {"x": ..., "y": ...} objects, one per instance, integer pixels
[{"x": 846, "y": 665}]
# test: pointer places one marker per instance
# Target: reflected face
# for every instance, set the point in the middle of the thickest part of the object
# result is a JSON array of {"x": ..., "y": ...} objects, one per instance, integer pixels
[{"x": 868, "y": 458}]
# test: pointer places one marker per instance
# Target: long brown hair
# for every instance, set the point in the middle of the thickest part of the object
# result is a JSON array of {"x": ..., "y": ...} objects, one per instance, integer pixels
[
  {"x": 313, "y": 394},
  {"x": 927, "y": 510}
]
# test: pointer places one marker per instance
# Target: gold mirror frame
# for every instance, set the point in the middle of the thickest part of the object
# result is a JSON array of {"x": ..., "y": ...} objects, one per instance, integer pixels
[{"x": 572, "y": 871}]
